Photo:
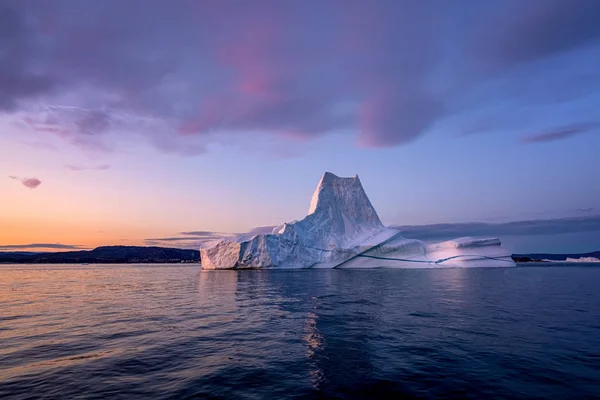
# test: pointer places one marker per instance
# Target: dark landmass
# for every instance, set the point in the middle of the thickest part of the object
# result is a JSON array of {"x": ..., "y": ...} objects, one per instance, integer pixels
[
  {"x": 106, "y": 255},
  {"x": 539, "y": 257}
]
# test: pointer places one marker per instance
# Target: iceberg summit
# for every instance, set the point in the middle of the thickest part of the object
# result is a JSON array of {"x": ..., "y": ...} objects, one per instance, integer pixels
[{"x": 343, "y": 230}]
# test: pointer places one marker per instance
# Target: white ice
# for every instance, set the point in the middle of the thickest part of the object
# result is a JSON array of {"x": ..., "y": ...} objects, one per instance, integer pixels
[{"x": 576, "y": 260}]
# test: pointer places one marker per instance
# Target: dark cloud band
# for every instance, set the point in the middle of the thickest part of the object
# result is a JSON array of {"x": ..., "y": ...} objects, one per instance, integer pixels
[{"x": 182, "y": 73}]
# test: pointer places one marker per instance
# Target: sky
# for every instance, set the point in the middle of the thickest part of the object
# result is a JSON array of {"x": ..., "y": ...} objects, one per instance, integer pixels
[{"x": 170, "y": 122}]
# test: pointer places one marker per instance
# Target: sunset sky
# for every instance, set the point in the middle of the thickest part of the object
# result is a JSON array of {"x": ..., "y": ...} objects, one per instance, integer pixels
[{"x": 169, "y": 122}]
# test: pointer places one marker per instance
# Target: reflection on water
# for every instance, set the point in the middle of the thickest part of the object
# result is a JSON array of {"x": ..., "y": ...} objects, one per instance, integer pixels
[
  {"x": 315, "y": 343},
  {"x": 135, "y": 331}
]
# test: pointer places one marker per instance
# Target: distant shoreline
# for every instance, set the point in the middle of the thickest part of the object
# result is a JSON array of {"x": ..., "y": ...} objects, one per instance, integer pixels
[
  {"x": 166, "y": 255},
  {"x": 106, "y": 255}
]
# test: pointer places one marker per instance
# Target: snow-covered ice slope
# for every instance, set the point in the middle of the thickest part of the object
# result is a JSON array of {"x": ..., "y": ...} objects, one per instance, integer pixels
[
  {"x": 401, "y": 252},
  {"x": 343, "y": 230}
]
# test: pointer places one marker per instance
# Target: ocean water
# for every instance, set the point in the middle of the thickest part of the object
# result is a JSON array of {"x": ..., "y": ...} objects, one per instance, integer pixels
[{"x": 176, "y": 332}]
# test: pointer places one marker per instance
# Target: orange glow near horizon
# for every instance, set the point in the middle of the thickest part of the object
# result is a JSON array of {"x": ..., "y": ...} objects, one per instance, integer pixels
[
  {"x": 132, "y": 201},
  {"x": 25, "y": 232}
]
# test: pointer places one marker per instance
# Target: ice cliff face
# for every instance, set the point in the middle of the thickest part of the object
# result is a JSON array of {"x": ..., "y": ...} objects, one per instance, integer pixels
[
  {"x": 340, "y": 213},
  {"x": 344, "y": 201},
  {"x": 341, "y": 229}
]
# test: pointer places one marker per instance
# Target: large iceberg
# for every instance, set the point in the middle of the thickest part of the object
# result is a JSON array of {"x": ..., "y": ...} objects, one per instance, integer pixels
[{"x": 343, "y": 230}]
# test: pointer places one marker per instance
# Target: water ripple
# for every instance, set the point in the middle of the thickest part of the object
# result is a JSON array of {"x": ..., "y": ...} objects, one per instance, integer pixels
[{"x": 176, "y": 332}]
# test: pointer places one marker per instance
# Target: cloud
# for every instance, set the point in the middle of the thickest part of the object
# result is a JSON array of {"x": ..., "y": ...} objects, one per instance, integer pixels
[
  {"x": 177, "y": 239},
  {"x": 529, "y": 235},
  {"x": 541, "y": 29},
  {"x": 558, "y": 134},
  {"x": 56, "y": 246},
  {"x": 586, "y": 210},
  {"x": 261, "y": 230},
  {"x": 18, "y": 49},
  {"x": 517, "y": 228},
  {"x": 190, "y": 240},
  {"x": 199, "y": 233},
  {"x": 102, "y": 167},
  {"x": 197, "y": 239},
  {"x": 183, "y": 243},
  {"x": 31, "y": 183},
  {"x": 102, "y": 73}
]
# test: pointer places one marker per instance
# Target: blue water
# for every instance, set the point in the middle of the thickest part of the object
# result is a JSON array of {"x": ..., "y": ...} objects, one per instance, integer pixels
[{"x": 175, "y": 332}]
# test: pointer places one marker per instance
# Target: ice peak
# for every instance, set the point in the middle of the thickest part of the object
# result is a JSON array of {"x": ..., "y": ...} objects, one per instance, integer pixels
[
  {"x": 328, "y": 180},
  {"x": 345, "y": 199},
  {"x": 330, "y": 177}
]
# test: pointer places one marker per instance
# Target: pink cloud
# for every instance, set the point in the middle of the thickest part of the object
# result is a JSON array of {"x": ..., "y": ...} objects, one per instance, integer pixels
[
  {"x": 558, "y": 134},
  {"x": 31, "y": 183}
]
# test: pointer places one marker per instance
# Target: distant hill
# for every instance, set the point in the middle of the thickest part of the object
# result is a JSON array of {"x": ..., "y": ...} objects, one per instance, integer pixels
[
  {"x": 553, "y": 257},
  {"x": 106, "y": 255}
]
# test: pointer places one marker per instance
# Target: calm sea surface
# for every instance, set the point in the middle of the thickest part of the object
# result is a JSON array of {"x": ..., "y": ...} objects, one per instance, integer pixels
[{"x": 175, "y": 332}]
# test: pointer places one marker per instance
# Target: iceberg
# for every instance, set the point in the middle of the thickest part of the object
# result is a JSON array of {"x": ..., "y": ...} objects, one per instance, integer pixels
[
  {"x": 585, "y": 260},
  {"x": 342, "y": 230}
]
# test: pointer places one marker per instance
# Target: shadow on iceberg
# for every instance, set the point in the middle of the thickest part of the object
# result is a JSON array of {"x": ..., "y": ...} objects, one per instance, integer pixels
[{"x": 343, "y": 230}]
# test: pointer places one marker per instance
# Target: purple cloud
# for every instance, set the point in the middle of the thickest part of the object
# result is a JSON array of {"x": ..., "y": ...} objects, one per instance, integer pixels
[
  {"x": 17, "y": 51},
  {"x": 31, "y": 183},
  {"x": 261, "y": 230},
  {"x": 556, "y": 226},
  {"x": 92, "y": 73},
  {"x": 189, "y": 240},
  {"x": 11, "y": 247},
  {"x": 102, "y": 167},
  {"x": 167, "y": 239},
  {"x": 586, "y": 210},
  {"x": 434, "y": 232},
  {"x": 196, "y": 239},
  {"x": 557, "y": 134},
  {"x": 541, "y": 29},
  {"x": 200, "y": 233}
]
